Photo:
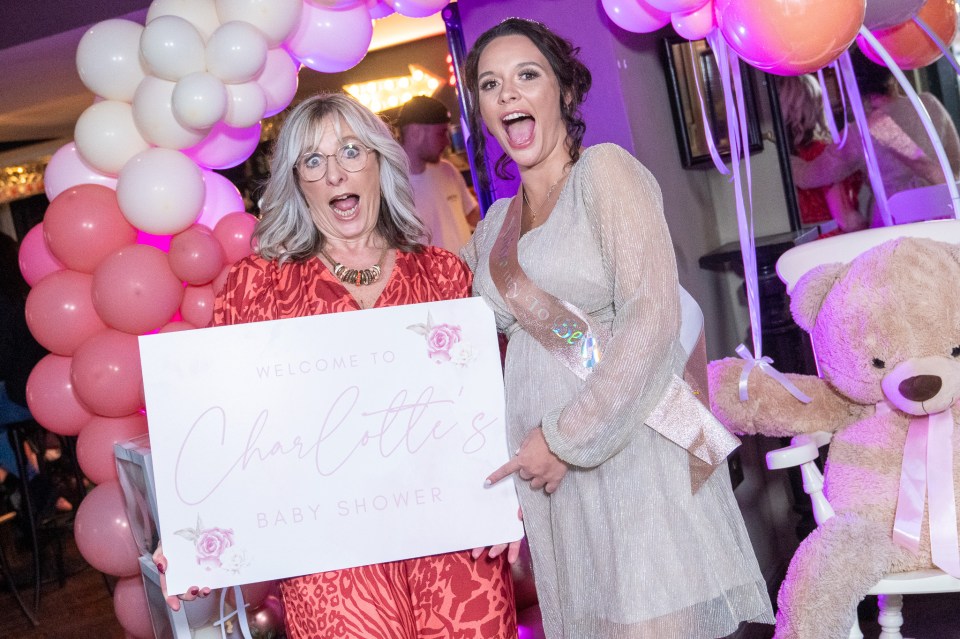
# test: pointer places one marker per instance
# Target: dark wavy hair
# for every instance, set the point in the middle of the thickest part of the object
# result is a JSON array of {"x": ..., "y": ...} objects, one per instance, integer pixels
[{"x": 572, "y": 75}]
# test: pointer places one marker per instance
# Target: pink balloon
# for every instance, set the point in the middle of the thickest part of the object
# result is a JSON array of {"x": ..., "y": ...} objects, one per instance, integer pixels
[
  {"x": 135, "y": 291},
  {"x": 279, "y": 80},
  {"x": 695, "y": 25},
  {"x": 96, "y": 440},
  {"x": 222, "y": 197},
  {"x": 676, "y": 6},
  {"x": 106, "y": 373},
  {"x": 60, "y": 311},
  {"x": 197, "y": 305},
  {"x": 66, "y": 168},
  {"x": 130, "y": 605},
  {"x": 416, "y": 8},
  {"x": 196, "y": 256},
  {"x": 635, "y": 15},
  {"x": 51, "y": 398},
  {"x": 36, "y": 260},
  {"x": 103, "y": 532},
  {"x": 235, "y": 232},
  {"x": 379, "y": 9},
  {"x": 331, "y": 41},
  {"x": 221, "y": 279},
  {"x": 84, "y": 224},
  {"x": 173, "y": 327},
  {"x": 161, "y": 242},
  {"x": 225, "y": 146}
]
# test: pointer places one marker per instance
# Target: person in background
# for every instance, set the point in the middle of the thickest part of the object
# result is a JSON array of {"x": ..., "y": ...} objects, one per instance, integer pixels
[
  {"x": 339, "y": 233},
  {"x": 803, "y": 114},
  {"x": 623, "y": 546},
  {"x": 444, "y": 203}
]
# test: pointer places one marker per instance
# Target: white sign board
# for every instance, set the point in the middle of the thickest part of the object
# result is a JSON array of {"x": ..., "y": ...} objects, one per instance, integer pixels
[{"x": 302, "y": 445}]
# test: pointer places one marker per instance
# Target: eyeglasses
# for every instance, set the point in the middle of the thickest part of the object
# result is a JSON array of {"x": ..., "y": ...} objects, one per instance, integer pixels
[{"x": 351, "y": 157}]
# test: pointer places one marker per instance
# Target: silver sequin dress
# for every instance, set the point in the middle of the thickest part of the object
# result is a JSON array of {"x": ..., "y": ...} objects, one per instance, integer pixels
[{"x": 622, "y": 550}]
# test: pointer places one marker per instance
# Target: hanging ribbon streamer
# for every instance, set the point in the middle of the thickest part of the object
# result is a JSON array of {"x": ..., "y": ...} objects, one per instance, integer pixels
[
  {"x": 707, "y": 129},
  {"x": 917, "y": 20},
  {"x": 922, "y": 112}
]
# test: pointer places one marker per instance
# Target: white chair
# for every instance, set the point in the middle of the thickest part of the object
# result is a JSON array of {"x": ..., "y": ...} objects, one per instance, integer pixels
[
  {"x": 805, "y": 449},
  {"x": 924, "y": 203}
]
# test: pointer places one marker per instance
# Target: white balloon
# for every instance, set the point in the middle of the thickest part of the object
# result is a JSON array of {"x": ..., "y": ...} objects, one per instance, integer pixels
[
  {"x": 107, "y": 137},
  {"x": 199, "y": 100},
  {"x": 337, "y": 5},
  {"x": 108, "y": 59},
  {"x": 153, "y": 113},
  {"x": 246, "y": 104},
  {"x": 331, "y": 41},
  {"x": 236, "y": 52},
  {"x": 66, "y": 168},
  {"x": 417, "y": 8},
  {"x": 202, "y": 14},
  {"x": 276, "y": 19},
  {"x": 172, "y": 48},
  {"x": 160, "y": 191},
  {"x": 279, "y": 80}
]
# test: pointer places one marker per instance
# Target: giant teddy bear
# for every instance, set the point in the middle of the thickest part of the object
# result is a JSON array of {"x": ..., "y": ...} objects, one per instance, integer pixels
[{"x": 886, "y": 330}]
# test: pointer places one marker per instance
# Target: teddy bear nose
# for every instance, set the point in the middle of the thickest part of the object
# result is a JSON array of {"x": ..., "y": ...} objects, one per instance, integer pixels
[{"x": 921, "y": 387}]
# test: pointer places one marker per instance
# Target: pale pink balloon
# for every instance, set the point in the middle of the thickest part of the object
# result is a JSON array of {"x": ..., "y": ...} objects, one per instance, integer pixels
[
  {"x": 676, "y": 6},
  {"x": 221, "y": 197},
  {"x": 103, "y": 533},
  {"x": 84, "y": 224},
  {"x": 51, "y": 398},
  {"x": 695, "y": 25},
  {"x": 96, "y": 440},
  {"x": 197, "y": 305},
  {"x": 131, "y": 607},
  {"x": 416, "y": 8},
  {"x": 135, "y": 291},
  {"x": 635, "y": 15},
  {"x": 67, "y": 168},
  {"x": 60, "y": 311},
  {"x": 36, "y": 260},
  {"x": 106, "y": 373},
  {"x": 235, "y": 232},
  {"x": 225, "y": 146},
  {"x": 279, "y": 80},
  {"x": 196, "y": 256},
  {"x": 174, "y": 327},
  {"x": 331, "y": 41},
  {"x": 221, "y": 279},
  {"x": 379, "y": 9}
]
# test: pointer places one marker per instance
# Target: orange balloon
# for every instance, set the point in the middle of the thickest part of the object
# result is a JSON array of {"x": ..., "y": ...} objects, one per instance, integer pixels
[
  {"x": 908, "y": 44},
  {"x": 789, "y": 37}
]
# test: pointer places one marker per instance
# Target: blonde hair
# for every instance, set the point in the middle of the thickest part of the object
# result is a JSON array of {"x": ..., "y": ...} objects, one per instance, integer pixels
[{"x": 802, "y": 106}]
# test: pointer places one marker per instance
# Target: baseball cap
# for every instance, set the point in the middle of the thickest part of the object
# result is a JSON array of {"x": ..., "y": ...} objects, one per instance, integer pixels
[{"x": 421, "y": 109}]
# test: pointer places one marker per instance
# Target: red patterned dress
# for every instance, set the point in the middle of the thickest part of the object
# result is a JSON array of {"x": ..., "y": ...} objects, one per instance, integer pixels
[{"x": 449, "y": 596}]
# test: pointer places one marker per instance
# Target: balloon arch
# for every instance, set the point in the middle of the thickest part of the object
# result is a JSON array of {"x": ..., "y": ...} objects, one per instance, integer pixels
[{"x": 141, "y": 230}]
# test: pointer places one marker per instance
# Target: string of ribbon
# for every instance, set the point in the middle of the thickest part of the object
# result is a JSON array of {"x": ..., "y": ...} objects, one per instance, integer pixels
[{"x": 765, "y": 364}]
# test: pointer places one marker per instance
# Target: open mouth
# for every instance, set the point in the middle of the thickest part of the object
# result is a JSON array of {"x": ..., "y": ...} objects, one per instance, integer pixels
[
  {"x": 519, "y": 127},
  {"x": 345, "y": 206}
]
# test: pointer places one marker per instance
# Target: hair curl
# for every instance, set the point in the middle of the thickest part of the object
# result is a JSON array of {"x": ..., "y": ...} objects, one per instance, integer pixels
[{"x": 572, "y": 75}]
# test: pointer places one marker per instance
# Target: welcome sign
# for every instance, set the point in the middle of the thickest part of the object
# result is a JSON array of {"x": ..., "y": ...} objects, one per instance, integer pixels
[{"x": 302, "y": 445}]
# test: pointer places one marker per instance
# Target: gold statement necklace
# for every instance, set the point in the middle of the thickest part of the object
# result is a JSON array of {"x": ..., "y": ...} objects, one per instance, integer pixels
[{"x": 357, "y": 277}]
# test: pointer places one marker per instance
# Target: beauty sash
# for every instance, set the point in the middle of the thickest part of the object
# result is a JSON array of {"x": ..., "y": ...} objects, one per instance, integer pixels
[{"x": 567, "y": 334}]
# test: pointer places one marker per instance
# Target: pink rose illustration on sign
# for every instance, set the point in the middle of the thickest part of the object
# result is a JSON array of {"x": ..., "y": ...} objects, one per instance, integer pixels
[
  {"x": 444, "y": 342},
  {"x": 212, "y": 546}
]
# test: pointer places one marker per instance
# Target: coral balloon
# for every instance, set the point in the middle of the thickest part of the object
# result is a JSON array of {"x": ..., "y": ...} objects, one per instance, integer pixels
[
  {"x": 221, "y": 197},
  {"x": 108, "y": 59},
  {"x": 677, "y": 6},
  {"x": 131, "y": 607},
  {"x": 84, "y": 224},
  {"x": 331, "y": 41},
  {"x": 908, "y": 44},
  {"x": 276, "y": 19},
  {"x": 66, "y": 168},
  {"x": 789, "y": 37},
  {"x": 279, "y": 80},
  {"x": 197, "y": 305},
  {"x": 106, "y": 373},
  {"x": 36, "y": 260},
  {"x": 416, "y": 8},
  {"x": 51, "y": 398},
  {"x": 196, "y": 256},
  {"x": 135, "y": 291},
  {"x": 235, "y": 233},
  {"x": 96, "y": 440},
  {"x": 883, "y": 14},
  {"x": 103, "y": 532},
  {"x": 236, "y": 52},
  {"x": 107, "y": 136},
  {"x": 695, "y": 25},
  {"x": 635, "y": 15},
  {"x": 60, "y": 311},
  {"x": 160, "y": 191},
  {"x": 172, "y": 48},
  {"x": 225, "y": 146},
  {"x": 246, "y": 104},
  {"x": 173, "y": 327},
  {"x": 155, "y": 118},
  {"x": 199, "y": 101},
  {"x": 202, "y": 14}
]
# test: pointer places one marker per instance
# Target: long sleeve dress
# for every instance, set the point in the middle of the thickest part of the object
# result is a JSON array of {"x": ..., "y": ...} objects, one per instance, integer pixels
[
  {"x": 622, "y": 550},
  {"x": 439, "y": 597}
]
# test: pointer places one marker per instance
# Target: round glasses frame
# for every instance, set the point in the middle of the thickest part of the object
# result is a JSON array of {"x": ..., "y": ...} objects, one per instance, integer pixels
[{"x": 342, "y": 156}]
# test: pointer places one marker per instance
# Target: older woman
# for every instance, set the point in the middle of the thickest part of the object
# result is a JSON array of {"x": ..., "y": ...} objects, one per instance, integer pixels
[
  {"x": 338, "y": 233},
  {"x": 580, "y": 271}
]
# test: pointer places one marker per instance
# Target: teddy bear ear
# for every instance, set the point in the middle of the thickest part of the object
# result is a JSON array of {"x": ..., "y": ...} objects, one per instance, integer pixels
[{"x": 810, "y": 291}]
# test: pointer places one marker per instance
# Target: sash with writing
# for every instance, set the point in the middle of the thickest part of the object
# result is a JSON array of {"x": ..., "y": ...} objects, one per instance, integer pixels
[{"x": 567, "y": 334}]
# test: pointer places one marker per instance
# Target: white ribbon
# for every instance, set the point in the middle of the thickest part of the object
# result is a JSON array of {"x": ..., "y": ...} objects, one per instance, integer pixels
[{"x": 765, "y": 364}]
